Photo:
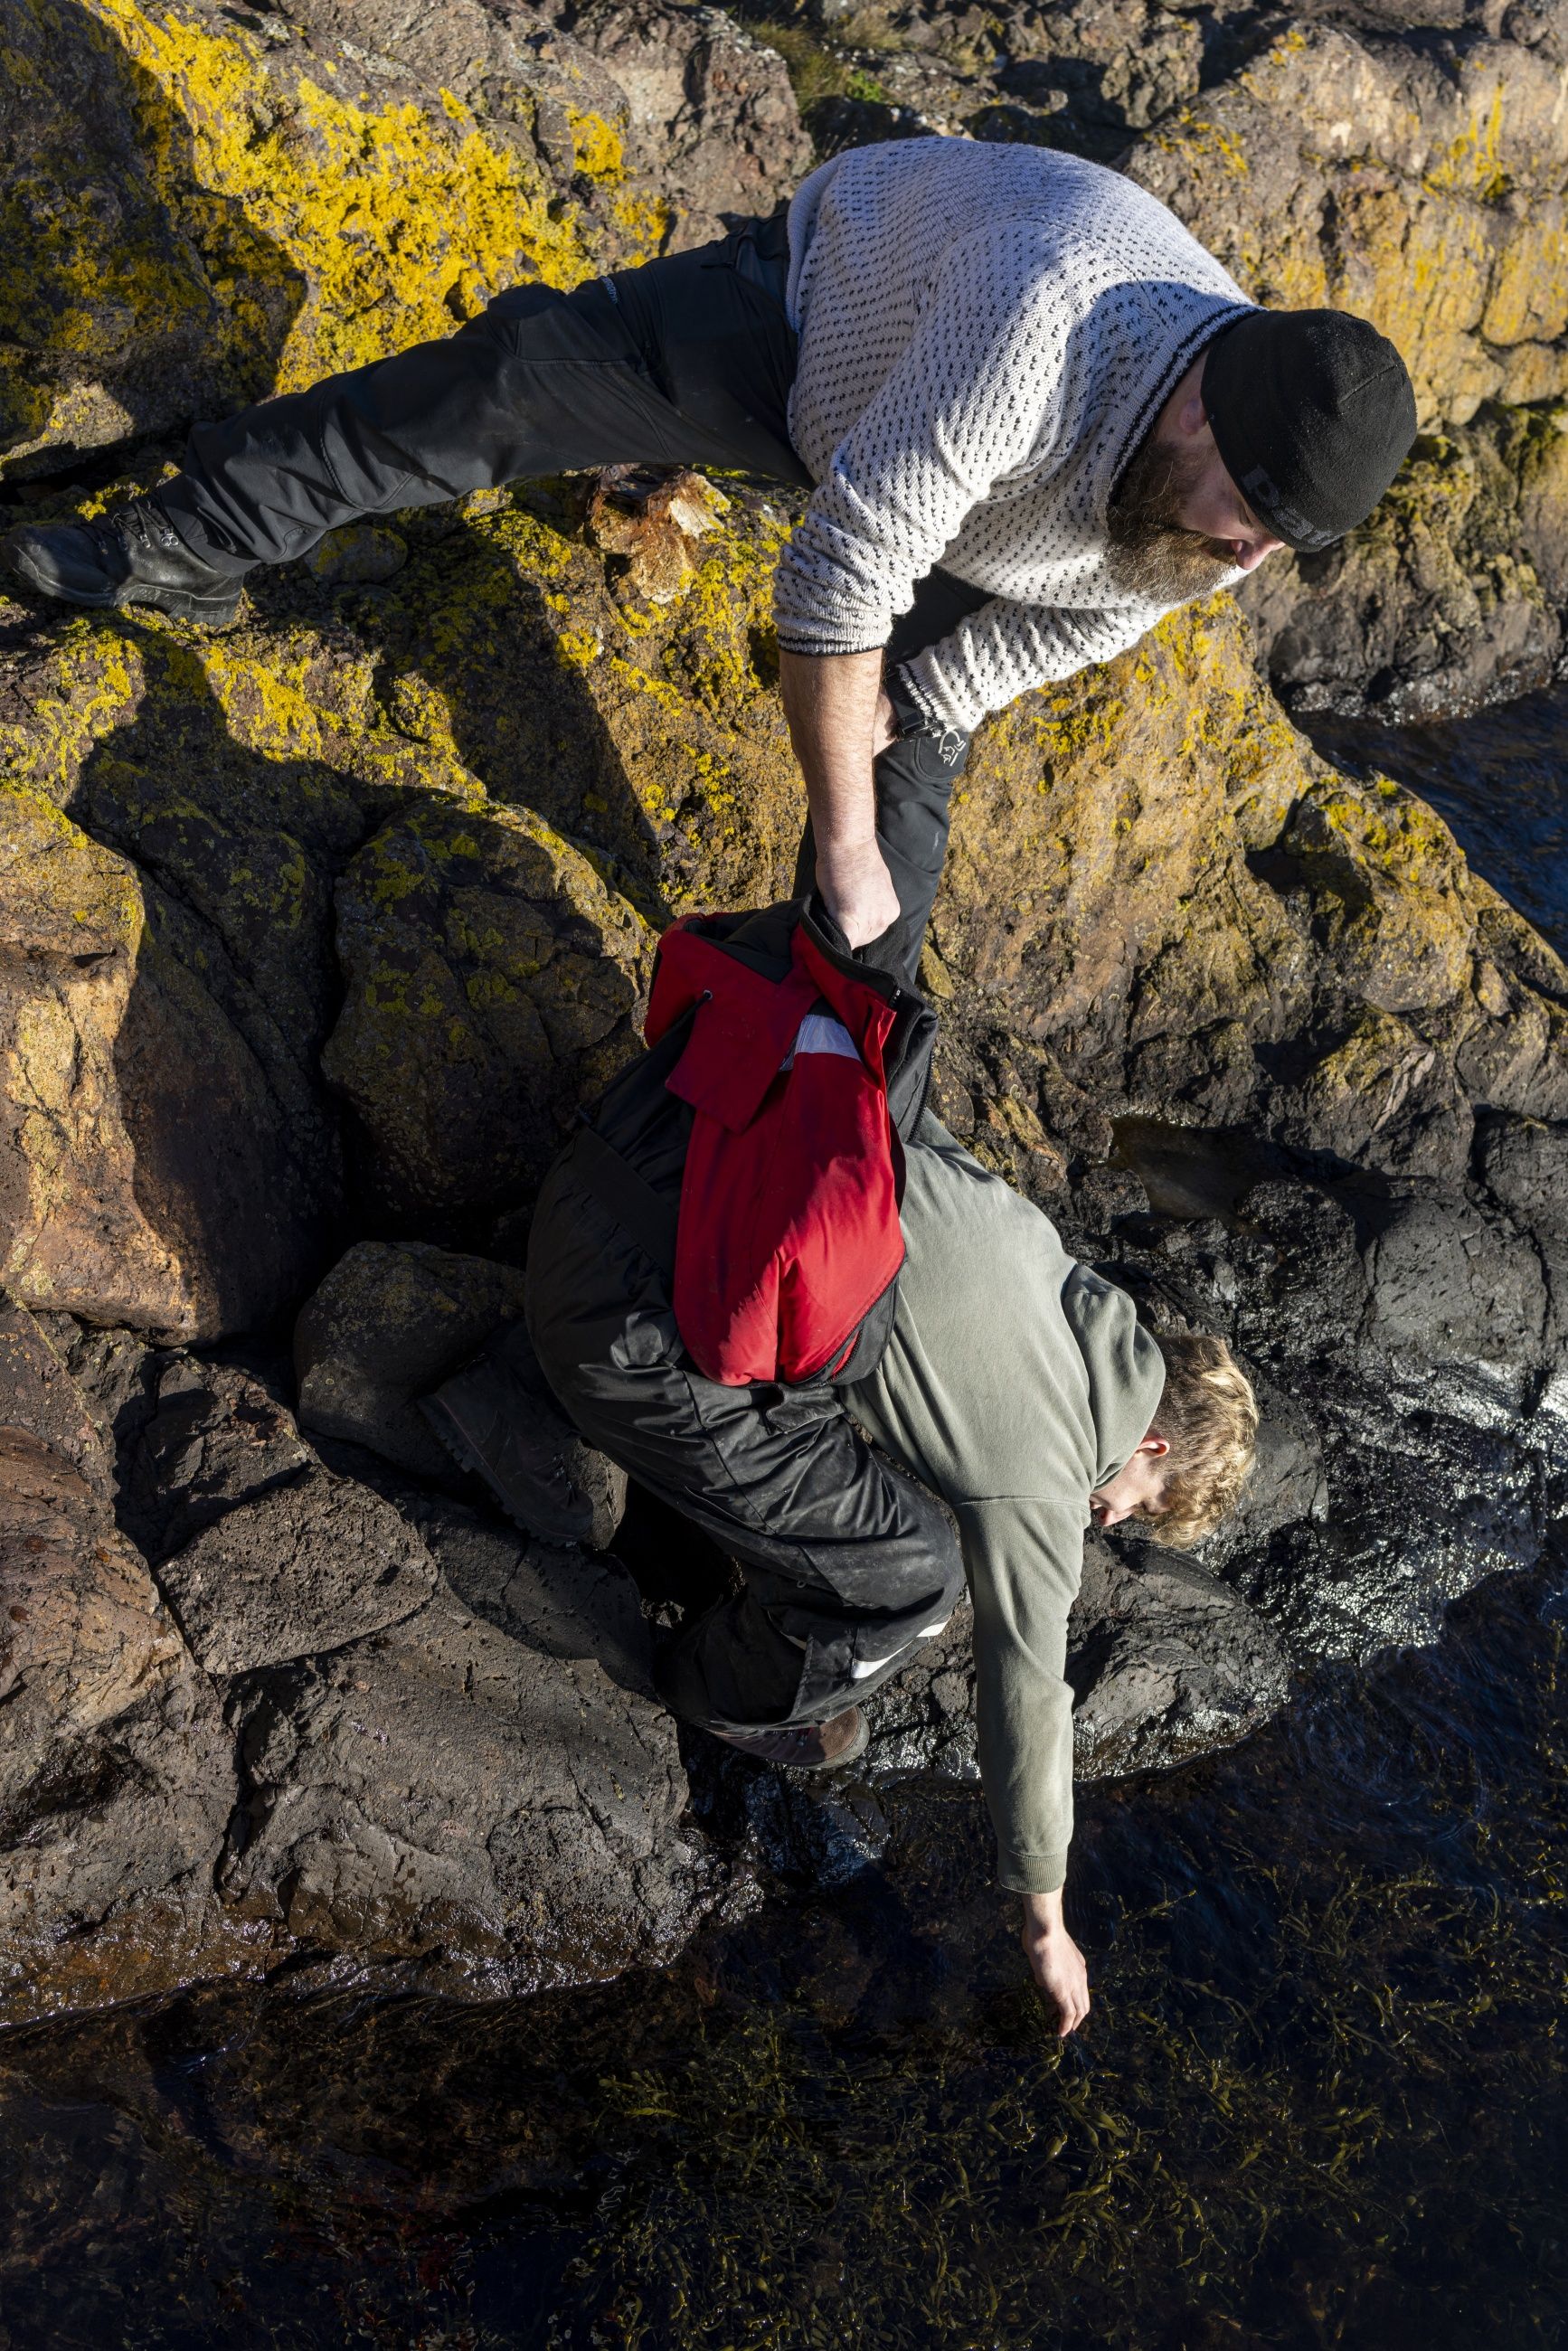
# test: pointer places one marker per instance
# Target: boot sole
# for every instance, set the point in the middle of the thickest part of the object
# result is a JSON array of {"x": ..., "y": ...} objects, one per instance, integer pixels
[
  {"x": 851, "y": 1754},
  {"x": 450, "y": 1434},
  {"x": 213, "y": 613}
]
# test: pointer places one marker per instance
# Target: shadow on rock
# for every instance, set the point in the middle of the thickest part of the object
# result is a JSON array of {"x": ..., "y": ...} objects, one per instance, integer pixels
[{"x": 117, "y": 320}]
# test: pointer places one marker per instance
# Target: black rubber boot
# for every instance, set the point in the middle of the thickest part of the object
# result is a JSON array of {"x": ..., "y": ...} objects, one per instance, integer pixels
[
  {"x": 496, "y": 1417},
  {"x": 134, "y": 556}
]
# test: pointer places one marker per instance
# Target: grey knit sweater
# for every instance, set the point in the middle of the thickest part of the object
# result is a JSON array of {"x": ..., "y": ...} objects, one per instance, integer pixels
[{"x": 986, "y": 334}]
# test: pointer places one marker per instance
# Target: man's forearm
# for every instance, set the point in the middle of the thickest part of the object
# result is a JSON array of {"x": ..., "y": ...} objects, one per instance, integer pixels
[{"x": 839, "y": 720}]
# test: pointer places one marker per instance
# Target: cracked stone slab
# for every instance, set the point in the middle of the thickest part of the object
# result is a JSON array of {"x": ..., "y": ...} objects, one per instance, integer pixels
[
  {"x": 217, "y": 1436},
  {"x": 447, "y": 1786},
  {"x": 308, "y": 1566}
]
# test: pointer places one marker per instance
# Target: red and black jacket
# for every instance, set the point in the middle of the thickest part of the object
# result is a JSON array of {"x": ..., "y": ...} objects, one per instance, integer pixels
[{"x": 756, "y": 1150}]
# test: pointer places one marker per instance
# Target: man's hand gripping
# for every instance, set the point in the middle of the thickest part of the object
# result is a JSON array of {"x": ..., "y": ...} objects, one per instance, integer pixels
[{"x": 840, "y": 721}]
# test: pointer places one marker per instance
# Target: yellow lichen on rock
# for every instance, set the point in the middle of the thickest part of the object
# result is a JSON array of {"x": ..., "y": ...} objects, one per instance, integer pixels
[
  {"x": 382, "y": 210},
  {"x": 492, "y": 982},
  {"x": 196, "y": 210},
  {"x": 1431, "y": 202}
]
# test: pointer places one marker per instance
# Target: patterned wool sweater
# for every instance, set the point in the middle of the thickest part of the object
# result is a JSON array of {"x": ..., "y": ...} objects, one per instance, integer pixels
[{"x": 986, "y": 334}]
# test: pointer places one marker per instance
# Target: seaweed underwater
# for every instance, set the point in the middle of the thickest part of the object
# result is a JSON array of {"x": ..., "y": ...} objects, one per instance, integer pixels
[{"x": 1319, "y": 2100}]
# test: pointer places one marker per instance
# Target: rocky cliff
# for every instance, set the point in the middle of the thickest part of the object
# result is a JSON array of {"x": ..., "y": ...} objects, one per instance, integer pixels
[{"x": 314, "y": 934}]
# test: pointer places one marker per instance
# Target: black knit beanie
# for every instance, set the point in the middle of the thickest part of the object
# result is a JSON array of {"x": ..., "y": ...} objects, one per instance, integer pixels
[{"x": 1313, "y": 412}]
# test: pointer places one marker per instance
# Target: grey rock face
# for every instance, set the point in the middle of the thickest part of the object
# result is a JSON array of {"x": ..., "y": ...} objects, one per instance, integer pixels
[
  {"x": 1451, "y": 1285},
  {"x": 449, "y": 1786},
  {"x": 307, "y": 1566},
  {"x": 330, "y": 1719},
  {"x": 1165, "y": 1661},
  {"x": 214, "y": 1437}
]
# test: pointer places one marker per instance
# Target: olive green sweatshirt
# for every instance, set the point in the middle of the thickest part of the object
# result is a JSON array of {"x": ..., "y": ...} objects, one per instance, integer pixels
[{"x": 1014, "y": 1382}]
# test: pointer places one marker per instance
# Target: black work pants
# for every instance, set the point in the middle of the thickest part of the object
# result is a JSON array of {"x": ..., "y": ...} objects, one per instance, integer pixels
[{"x": 685, "y": 361}]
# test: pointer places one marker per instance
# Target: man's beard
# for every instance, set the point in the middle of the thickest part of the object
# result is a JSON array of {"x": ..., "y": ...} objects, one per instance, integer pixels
[{"x": 1151, "y": 555}]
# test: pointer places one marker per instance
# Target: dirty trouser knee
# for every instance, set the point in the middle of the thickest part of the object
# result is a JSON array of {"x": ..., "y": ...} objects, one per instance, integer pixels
[
  {"x": 847, "y": 1565},
  {"x": 687, "y": 361}
]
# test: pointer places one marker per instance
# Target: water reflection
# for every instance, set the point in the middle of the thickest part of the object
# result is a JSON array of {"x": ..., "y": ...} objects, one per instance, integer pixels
[{"x": 1500, "y": 778}]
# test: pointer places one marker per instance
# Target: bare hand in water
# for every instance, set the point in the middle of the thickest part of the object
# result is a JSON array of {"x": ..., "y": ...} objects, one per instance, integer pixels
[{"x": 1055, "y": 1960}]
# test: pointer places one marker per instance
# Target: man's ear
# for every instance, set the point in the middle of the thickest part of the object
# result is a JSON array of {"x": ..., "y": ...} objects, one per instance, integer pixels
[
  {"x": 1155, "y": 1445},
  {"x": 1191, "y": 416}
]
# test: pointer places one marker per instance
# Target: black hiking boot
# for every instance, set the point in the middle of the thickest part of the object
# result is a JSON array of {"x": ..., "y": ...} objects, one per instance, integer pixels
[
  {"x": 806, "y": 1746},
  {"x": 134, "y": 556},
  {"x": 496, "y": 1418}
]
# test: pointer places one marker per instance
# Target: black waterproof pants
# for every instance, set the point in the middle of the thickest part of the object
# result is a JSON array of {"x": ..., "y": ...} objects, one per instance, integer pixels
[
  {"x": 685, "y": 361},
  {"x": 847, "y": 1565}
]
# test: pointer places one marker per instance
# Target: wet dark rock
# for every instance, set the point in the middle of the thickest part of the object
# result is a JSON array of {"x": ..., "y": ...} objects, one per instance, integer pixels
[
  {"x": 1165, "y": 1661},
  {"x": 318, "y": 937},
  {"x": 1450, "y": 1285}
]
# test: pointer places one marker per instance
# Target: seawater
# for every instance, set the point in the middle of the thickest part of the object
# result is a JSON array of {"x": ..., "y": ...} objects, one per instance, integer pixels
[
  {"x": 1320, "y": 2100},
  {"x": 1499, "y": 779}
]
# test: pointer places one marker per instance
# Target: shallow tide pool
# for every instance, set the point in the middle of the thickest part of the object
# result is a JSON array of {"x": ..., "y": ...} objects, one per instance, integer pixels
[{"x": 1321, "y": 2099}]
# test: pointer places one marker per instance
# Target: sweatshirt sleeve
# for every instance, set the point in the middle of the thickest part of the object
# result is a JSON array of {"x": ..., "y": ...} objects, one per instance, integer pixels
[
  {"x": 1024, "y": 1559},
  {"x": 975, "y": 393},
  {"x": 1004, "y": 648}
]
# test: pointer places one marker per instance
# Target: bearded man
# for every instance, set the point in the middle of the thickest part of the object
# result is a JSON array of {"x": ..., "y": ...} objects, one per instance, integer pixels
[{"x": 1034, "y": 414}]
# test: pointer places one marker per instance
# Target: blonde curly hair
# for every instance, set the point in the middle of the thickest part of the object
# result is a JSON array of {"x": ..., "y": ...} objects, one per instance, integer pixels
[{"x": 1208, "y": 1416}]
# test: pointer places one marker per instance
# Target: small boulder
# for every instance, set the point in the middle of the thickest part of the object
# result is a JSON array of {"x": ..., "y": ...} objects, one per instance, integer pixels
[
  {"x": 390, "y": 1322},
  {"x": 356, "y": 556},
  {"x": 1166, "y": 1663}
]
